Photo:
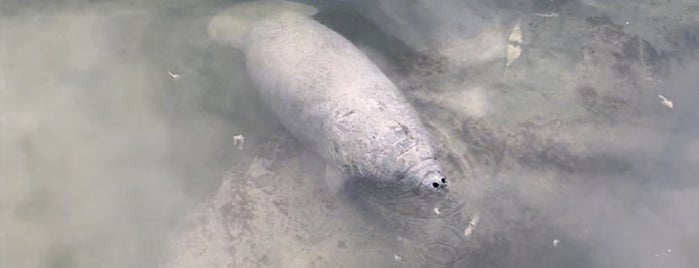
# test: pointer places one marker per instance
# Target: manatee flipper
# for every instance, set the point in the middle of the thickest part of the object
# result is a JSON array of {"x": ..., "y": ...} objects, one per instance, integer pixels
[{"x": 232, "y": 25}]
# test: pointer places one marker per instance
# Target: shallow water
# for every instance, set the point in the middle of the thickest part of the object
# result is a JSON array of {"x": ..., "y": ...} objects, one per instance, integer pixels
[{"x": 117, "y": 121}]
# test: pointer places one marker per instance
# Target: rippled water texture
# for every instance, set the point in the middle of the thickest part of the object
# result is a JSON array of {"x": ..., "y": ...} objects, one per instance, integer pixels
[{"x": 567, "y": 129}]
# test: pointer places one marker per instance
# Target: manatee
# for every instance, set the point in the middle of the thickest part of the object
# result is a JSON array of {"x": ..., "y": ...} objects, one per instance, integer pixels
[{"x": 329, "y": 95}]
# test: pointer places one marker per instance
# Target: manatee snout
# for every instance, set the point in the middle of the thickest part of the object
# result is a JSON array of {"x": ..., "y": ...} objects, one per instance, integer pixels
[{"x": 434, "y": 180}]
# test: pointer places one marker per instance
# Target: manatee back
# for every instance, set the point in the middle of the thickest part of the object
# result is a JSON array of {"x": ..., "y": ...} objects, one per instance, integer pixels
[{"x": 332, "y": 97}]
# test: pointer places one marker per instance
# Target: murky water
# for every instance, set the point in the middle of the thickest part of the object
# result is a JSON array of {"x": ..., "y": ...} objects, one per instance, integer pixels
[{"x": 567, "y": 129}]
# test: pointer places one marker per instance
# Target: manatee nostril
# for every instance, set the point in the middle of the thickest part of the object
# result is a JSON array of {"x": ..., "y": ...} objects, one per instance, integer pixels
[
  {"x": 435, "y": 185},
  {"x": 444, "y": 180}
]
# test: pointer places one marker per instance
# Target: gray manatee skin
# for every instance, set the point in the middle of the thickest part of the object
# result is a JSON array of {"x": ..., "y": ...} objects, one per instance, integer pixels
[{"x": 333, "y": 98}]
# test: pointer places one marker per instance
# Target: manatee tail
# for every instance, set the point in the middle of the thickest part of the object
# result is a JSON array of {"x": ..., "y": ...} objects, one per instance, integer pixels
[{"x": 232, "y": 25}]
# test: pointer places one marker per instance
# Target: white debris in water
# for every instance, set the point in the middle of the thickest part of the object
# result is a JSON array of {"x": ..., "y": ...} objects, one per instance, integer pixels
[
  {"x": 436, "y": 210},
  {"x": 514, "y": 50},
  {"x": 516, "y": 34},
  {"x": 173, "y": 75},
  {"x": 666, "y": 252},
  {"x": 547, "y": 15},
  {"x": 472, "y": 225},
  {"x": 239, "y": 141},
  {"x": 666, "y": 102},
  {"x": 397, "y": 258},
  {"x": 555, "y": 242}
]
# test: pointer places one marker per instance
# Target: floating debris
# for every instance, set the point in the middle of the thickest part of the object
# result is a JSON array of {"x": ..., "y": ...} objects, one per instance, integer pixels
[
  {"x": 173, "y": 75},
  {"x": 666, "y": 252},
  {"x": 436, "y": 210},
  {"x": 514, "y": 50},
  {"x": 397, "y": 258},
  {"x": 547, "y": 15},
  {"x": 472, "y": 225},
  {"x": 555, "y": 242},
  {"x": 516, "y": 34},
  {"x": 666, "y": 102},
  {"x": 239, "y": 141}
]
